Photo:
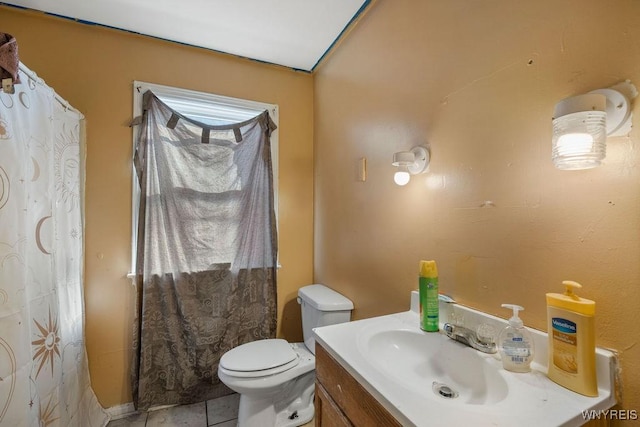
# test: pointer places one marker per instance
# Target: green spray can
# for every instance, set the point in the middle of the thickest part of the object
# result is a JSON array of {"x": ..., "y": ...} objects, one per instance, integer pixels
[{"x": 428, "y": 287}]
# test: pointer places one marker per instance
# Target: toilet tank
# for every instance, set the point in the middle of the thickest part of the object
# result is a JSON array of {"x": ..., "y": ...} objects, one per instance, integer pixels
[{"x": 321, "y": 306}]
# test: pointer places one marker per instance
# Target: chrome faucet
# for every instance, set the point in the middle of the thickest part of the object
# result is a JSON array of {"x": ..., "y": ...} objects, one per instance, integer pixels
[{"x": 468, "y": 337}]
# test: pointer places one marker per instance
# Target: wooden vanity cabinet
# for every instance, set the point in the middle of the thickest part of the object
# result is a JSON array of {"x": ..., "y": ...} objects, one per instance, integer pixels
[{"x": 340, "y": 399}]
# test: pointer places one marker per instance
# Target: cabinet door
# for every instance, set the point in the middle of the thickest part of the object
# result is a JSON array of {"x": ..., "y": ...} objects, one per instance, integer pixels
[
  {"x": 359, "y": 407},
  {"x": 327, "y": 412}
]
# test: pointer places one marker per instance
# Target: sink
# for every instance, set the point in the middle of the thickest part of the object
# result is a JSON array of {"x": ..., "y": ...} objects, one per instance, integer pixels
[
  {"x": 425, "y": 378},
  {"x": 414, "y": 359}
]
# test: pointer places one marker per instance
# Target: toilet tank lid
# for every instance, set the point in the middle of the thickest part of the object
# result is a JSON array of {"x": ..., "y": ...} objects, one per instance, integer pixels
[{"x": 323, "y": 298}]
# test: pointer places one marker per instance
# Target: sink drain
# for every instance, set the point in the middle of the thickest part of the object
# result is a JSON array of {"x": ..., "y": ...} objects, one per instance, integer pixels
[{"x": 444, "y": 390}]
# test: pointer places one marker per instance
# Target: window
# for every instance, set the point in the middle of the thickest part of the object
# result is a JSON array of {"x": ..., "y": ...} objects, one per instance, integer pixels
[{"x": 207, "y": 108}]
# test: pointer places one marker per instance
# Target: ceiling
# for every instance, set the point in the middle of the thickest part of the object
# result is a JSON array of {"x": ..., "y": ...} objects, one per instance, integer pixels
[{"x": 291, "y": 33}]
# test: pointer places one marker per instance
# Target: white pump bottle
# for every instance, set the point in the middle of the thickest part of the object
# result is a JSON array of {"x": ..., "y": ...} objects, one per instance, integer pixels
[{"x": 515, "y": 343}]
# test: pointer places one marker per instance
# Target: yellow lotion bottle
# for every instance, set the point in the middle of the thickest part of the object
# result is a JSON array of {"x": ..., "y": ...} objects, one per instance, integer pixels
[{"x": 572, "y": 350}]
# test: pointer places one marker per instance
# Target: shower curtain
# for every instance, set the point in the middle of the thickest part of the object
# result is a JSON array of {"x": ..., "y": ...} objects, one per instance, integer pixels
[
  {"x": 206, "y": 251},
  {"x": 44, "y": 377}
]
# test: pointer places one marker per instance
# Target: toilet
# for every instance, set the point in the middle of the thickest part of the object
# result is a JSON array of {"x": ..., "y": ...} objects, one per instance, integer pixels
[{"x": 275, "y": 378}]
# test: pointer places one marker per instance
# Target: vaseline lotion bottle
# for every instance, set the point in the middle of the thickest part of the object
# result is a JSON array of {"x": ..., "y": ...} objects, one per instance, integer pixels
[{"x": 572, "y": 350}]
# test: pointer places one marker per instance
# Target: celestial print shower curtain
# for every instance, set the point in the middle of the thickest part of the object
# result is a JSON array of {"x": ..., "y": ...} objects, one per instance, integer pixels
[
  {"x": 44, "y": 377},
  {"x": 207, "y": 251}
]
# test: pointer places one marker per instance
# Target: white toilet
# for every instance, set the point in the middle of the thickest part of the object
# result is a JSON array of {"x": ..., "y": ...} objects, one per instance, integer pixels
[{"x": 275, "y": 378}]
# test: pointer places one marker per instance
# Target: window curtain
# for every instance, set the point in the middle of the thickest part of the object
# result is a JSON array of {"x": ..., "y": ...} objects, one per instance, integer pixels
[
  {"x": 44, "y": 377},
  {"x": 206, "y": 262}
]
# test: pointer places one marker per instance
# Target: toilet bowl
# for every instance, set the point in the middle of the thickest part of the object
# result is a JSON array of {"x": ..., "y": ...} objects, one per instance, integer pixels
[{"x": 275, "y": 378}]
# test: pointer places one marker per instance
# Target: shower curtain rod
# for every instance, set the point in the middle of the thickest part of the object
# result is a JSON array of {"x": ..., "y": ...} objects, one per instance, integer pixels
[{"x": 61, "y": 100}]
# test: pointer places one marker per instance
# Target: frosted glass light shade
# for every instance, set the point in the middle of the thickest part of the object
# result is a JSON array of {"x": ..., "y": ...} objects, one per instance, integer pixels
[
  {"x": 579, "y": 140},
  {"x": 579, "y": 132}
]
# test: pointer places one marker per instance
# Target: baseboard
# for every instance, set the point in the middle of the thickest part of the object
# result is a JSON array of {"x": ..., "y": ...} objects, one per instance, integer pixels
[{"x": 121, "y": 411}]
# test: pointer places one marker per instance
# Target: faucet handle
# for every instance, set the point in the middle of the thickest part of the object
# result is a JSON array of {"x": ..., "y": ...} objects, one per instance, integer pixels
[
  {"x": 456, "y": 318},
  {"x": 486, "y": 333}
]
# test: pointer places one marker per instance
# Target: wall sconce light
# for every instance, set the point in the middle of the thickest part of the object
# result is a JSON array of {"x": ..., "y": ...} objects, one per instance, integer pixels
[
  {"x": 409, "y": 163},
  {"x": 581, "y": 125}
]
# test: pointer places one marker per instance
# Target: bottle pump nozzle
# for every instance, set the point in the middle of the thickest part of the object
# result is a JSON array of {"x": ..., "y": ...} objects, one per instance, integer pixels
[
  {"x": 515, "y": 321},
  {"x": 570, "y": 286}
]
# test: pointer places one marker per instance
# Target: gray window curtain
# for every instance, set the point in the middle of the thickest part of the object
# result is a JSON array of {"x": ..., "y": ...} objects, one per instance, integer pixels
[{"x": 207, "y": 251}]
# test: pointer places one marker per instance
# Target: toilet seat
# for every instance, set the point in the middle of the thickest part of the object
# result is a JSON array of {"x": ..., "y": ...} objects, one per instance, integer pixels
[{"x": 259, "y": 358}]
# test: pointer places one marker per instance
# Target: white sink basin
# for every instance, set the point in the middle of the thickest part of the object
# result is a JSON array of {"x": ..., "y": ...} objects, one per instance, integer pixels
[
  {"x": 415, "y": 375},
  {"x": 415, "y": 359}
]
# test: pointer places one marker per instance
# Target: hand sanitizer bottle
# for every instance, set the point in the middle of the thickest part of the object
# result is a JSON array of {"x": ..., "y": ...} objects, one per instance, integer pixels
[{"x": 515, "y": 343}]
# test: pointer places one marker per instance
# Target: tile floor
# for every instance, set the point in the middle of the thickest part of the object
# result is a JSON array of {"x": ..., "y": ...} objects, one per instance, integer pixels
[{"x": 221, "y": 412}]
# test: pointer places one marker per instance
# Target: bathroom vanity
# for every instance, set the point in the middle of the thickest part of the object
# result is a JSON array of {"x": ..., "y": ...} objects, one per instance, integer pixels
[{"x": 386, "y": 371}]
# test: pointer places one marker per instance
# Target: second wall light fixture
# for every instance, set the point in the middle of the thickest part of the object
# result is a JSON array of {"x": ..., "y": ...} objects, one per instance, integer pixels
[
  {"x": 582, "y": 123},
  {"x": 410, "y": 163}
]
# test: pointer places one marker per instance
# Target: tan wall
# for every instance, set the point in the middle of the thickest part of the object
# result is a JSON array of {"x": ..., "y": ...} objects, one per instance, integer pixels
[
  {"x": 93, "y": 68},
  {"x": 477, "y": 81}
]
